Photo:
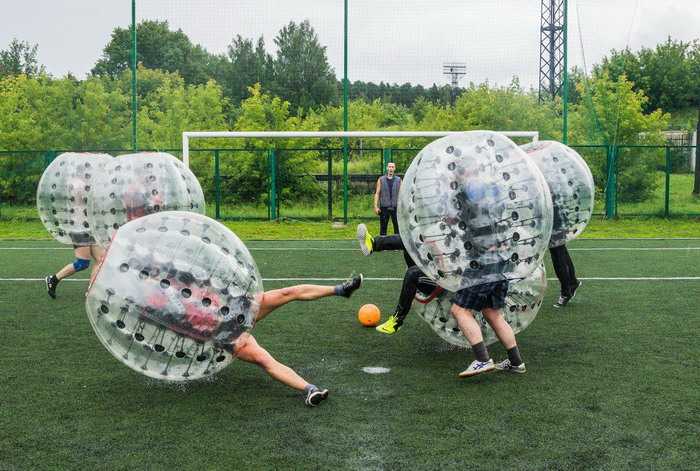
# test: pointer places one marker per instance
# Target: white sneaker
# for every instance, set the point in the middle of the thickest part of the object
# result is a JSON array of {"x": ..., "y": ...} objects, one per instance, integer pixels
[
  {"x": 478, "y": 367},
  {"x": 506, "y": 366}
]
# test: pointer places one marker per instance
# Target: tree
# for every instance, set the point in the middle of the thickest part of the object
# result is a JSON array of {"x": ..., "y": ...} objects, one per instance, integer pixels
[
  {"x": 157, "y": 48},
  {"x": 615, "y": 114},
  {"x": 245, "y": 65},
  {"x": 663, "y": 73},
  {"x": 302, "y": 74},
  {"x": 20, "y": 58}
]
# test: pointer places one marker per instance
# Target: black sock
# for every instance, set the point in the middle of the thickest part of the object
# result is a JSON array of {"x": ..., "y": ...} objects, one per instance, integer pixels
[
  {"x": 514, "y": 356},
  {"x": 54, "y": 279},
  {"x": 480, "y": 352}
]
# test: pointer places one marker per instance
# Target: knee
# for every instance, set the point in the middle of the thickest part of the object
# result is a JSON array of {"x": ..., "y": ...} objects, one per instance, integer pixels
[
  {"x": 289, "y": 292},
  {"x": 80, "y": 264},
  {"x": 413, "y": 274},
  {"x": 458, "y": 311},
  {"x": 492, "y": 315}
]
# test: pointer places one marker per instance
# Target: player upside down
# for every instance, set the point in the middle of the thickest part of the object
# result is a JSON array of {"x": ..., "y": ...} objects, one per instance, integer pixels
[
  {"x": 198, "y": 322},
  {"x": 488, "y": 298}
]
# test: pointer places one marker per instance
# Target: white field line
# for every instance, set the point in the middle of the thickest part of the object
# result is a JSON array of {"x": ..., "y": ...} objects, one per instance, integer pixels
[
  {"x": 594, "y": 278},
  {"x": 330, "y": 249}
]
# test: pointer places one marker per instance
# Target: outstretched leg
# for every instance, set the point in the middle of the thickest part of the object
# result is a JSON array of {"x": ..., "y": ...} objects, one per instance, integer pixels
[
  {"x": 369, "y": 244},
  {"x": 250, "y": 351},
  {"x": 276, "y": 298}
]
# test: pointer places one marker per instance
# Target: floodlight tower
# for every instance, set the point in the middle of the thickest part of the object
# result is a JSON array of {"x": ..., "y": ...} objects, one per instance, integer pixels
[
  {"x": 455, "y": 70},
  {"x": 552, "y": 45}
]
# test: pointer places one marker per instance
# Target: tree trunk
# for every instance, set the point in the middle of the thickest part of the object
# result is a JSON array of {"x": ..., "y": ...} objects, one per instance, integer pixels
[{"x": 696, "y": 186}]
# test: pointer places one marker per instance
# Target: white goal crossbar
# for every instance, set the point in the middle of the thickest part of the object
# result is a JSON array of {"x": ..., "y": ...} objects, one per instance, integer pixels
[{"x": 187, "y": 135}]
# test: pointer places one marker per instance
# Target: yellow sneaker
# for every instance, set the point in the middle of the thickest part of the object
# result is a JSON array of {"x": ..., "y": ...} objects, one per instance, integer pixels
[
  {"x": 365, "y": 239},
  {"x": 391, "y": 326}
]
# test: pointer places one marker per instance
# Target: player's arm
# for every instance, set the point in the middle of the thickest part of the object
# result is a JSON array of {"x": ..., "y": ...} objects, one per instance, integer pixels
[{"x": 376, "y": 195}]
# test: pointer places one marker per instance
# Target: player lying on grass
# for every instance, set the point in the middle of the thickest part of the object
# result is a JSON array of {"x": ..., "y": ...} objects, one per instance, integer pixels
[
  {"x": 83, "y": 254},
  {"x": 488, "y": 298},
  {"x": 198, "y": 322}
]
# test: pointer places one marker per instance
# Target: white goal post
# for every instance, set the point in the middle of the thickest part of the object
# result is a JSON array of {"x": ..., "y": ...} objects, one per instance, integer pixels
[{"x": 187, "y": 135}]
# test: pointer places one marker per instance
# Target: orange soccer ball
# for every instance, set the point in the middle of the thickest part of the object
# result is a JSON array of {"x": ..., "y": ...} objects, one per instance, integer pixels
[{"x": 369, "y": 315}]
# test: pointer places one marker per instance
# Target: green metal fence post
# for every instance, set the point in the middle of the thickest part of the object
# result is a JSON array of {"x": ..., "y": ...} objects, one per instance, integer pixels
[
  {"x": 565, "y": 84},
  {"x": 49, "y": 157},
  {"x": 386, "y": 158},
  {"x": 217, "y": 184},
  {"x": 272, "y": 162},
  {"x": 134, "y": 106},
  {"x": 610, "y": 189},
  {"x": 330, "y": 185},
  {"x": 346, "y": 86},
  {"x": 667, "y": 193}
]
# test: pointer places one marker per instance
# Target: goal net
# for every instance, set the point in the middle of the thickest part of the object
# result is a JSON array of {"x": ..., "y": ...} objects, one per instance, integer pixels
[{"x": 301, "y": 175}]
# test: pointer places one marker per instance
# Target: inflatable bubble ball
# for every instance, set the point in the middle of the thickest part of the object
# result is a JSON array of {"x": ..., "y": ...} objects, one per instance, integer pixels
[
  {"x": 63, "y": 195},
  {"x": 173, "y": 295},
  {"x": 473, "y": 208},
  {"x": 571, "y": 184},
  {"x": 135, "y": 185},
  {"x": 522, "y": 305}
]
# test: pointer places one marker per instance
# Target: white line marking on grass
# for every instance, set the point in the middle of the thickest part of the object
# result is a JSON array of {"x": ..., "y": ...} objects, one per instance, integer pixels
[
  {"x": 594, "y": 278},
  {"x": 328, "y": 249},
  {"x": 649, "y": 249},
  {"x": 375, "y": 370}
]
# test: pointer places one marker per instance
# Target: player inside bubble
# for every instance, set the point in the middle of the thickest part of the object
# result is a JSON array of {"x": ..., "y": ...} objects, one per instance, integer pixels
[
  {"x": 177, "y": 295},
  {"x": 474, "y": 209},
  {"x": 63, "y": 193}
]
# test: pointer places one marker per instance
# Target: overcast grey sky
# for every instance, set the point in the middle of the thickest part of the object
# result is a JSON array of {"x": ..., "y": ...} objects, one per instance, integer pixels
[{"x": 390, "y": 40}]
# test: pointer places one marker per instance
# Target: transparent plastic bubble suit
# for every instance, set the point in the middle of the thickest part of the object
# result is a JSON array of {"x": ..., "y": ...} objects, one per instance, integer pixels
[
  {"x": 571, "y": 184},
  {"x": 473, "y": 208},
  {"x": 175, "y": 292},
  {"x": 522, "y": 305},
  {"x": 135, "y": 185},
  {"x": 63, "y": 194}
]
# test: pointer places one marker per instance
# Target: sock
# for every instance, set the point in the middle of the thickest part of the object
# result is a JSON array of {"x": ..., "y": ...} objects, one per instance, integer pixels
[
  {"x": 514, "y": 356},
  {"x": 338, "y": 290},
  {"x": 309, "y": 387},
  {"x": 54, "y": 279},
  {"x": 480, "y": 352}
]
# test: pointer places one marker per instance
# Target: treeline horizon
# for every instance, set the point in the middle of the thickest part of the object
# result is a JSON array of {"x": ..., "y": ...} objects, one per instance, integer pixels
[{"x": 625, "y": 99}]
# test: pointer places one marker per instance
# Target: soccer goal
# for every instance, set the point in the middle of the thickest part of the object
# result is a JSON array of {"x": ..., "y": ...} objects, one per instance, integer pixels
[{"x": 292, "y": 177}]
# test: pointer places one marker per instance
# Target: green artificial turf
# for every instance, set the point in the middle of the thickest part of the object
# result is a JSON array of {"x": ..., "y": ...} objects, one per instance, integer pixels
[{"x": 611, "y": 382}]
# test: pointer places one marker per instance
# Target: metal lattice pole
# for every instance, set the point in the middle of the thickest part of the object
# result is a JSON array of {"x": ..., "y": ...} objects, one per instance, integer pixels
[{"x": 552, "y": 48}]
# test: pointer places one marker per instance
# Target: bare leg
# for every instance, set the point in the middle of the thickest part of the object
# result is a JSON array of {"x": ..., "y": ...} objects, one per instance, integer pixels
[
  {"x": 96, "y": 252},
  {"x": 503, "y": 330},
  {"x": 252, "y": 352},
  {"x": 275, "y": 298},
  {"x": 467, "y": 324},
  {"x": 68, "y": 270}
]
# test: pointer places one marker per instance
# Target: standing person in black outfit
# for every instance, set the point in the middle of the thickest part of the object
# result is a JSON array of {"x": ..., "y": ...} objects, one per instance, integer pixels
[
  {"x": 386, "y": 198},
  {"x": 564, "y": 268}
]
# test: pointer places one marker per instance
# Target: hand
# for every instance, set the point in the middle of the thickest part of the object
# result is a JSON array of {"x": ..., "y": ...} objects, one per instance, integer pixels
[{"x": 377, "y": 210}]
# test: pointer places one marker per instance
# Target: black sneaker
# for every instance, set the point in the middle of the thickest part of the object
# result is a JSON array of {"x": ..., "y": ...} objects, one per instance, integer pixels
[
  {"x": 315, "y": 396},
  {"x": 51, "y": 284},
  {"x": 565, "y": 298},
  {"x": 350, "y": 286}
]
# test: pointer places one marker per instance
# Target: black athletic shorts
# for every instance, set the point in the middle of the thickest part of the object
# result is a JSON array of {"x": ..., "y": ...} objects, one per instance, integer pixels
[{"x": 489, "y": 295}]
